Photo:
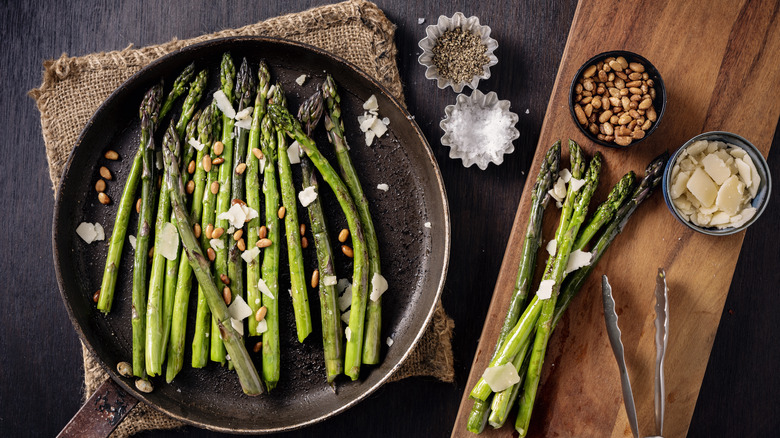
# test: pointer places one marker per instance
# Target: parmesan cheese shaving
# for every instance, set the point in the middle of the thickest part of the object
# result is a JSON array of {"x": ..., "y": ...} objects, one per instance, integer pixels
[
  {"x": 307, "y": 196},
  {"x": 239, "y": 309},
  {"x": 131, "y": 238},
  {"x": 87, "y": 232},
  {"x": 244, "y": 124},
  {"x": 383, "y": 187},
  {"x": 501, "y": 377},
  {"x": 427, "y": 225},
  {"x": 371, "y": 103},
  {"x": 264, "y": 289},
  {"x": 100, "y": 234},
  {"x": 578, "y": 259},
  {"x": 245, "y": 114},
  {"x": 378, "y": 286},
  {"x": 345, "y": 300},
  {"x": 238, "y": 326},
  {"x": 565, "y": 175},
  {"x": 169, "y": 242},
  {"x": 348, "y": 333},
  {"x": 250, "y": 254},
  {"x": 545, "y": 289},
  {"x": 576, "y": 184},
  {"x": 217, "y": 244},
  {"x": 224, "y": 104},
  {"x": 345, "y": 317},
  {"x": 196, "y": 144},
  {"x": 262, "y": 327},
  {"x": 300, "y": 79},
  {"x": 329, "y": 280},
  {"x": 552, "y": 247},
  {"x": 342, "y": 285},
  {"x": 389, "y": 341},
  {"x": 294, "y": 153}
]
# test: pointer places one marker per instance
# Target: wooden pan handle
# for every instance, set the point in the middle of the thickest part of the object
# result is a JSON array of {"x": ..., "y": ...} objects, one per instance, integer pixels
[{"x": 101, "y": 414}]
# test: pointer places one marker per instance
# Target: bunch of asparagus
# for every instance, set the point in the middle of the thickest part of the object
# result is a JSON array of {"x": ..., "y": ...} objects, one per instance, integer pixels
[
  {"x": 524, "y": 336},
  {"x": 216, "y": 162}
]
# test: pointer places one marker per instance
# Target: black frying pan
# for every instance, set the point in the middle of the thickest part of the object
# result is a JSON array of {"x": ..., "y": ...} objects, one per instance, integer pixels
[{"x": 414, "y": 257}]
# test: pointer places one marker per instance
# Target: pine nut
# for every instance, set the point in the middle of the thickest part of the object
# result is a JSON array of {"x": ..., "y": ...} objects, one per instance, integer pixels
[
  {"x": 100, "y": 185},
  {"x": 210, "y": 231},
  {"x": 590, "y": 71},
  {"x": 224, "y": 279},
  {"x": 191, "y": 167},
  {"x": 211, "y": 254},
  {"x": 103, "y": 198},
  {"x": 260, "y": 314},
  {"x": 304, "y": 242},
  {"x": 124, "y": 369},
  {"x": 264, "y": 243},
  {"x": 144, "y": 385},
  {"x": 217, "y": 233},
  {"x": 96, "y": 296},
  {"x": 111, "y": 155},
  {"x": 196, "y": 230},
  {"x": 281, "y": 212},
  {"x": 237, "y": 201},
  {"x": 637, "y": 67},
  {"x": 218, "y": 148},
  {"x": 237, "y": 235},
  {"x": 207, "y": 163},
  {"x": 315, "y": 278},
  {"x": 343, "y": 235},
  {"x": 105, "y": 173},
  {"x": 258, "y": 153},
  {"x": 347, "y": 251},
  {"x": 151, "y": 252},
  {"x": 217, "y": 161},
  {"x": 303, "y": 229},
  {"x": 258, "y": 346},
  {"x": 215, "y": 187},
  {"x": 240, "y": 168},
  {"x": 190, "y": 187},
  {"x": 226, "y": 295},
  {"x": 262, "y": 232},
  {"x": 241, "y": 245}
]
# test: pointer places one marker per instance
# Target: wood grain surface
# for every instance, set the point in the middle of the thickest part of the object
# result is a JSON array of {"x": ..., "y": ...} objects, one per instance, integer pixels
[
  {"x": 41, "y": 375},
  {"x": 705, "y": 72}
]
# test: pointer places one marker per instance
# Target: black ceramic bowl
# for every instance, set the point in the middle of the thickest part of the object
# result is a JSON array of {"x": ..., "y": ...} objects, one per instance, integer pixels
[{"x": 659, "y": 103}]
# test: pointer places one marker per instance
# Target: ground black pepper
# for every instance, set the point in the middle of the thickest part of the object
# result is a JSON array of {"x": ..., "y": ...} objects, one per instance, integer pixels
[{"x": 459, "y": 55}]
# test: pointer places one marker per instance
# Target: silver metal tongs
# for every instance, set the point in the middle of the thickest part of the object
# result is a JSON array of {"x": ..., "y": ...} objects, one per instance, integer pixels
[{"x": 661, "y": 340}]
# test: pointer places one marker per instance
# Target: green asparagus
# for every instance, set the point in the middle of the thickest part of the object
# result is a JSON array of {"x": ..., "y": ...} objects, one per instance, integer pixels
[{"x": 179, "y": 87}]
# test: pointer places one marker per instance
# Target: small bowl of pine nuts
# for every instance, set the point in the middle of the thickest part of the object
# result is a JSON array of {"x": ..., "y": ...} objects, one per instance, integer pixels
[{"x": 617, "y": 98}]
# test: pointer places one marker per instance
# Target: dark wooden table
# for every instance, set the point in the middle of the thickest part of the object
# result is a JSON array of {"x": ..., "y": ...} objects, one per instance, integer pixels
[{"x": 41, "y": 380}]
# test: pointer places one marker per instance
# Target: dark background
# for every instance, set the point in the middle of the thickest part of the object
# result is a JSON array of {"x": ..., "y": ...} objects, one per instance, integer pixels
[{"x": 41, "y": 376}]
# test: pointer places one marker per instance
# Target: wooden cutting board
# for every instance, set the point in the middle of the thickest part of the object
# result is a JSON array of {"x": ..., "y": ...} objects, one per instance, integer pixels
[{"x": 719, "y": 60}]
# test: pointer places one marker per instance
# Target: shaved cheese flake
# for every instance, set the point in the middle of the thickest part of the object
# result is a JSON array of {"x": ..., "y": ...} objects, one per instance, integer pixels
[
  {"x": 348, "y": 333},
  {"x": 224, "y": 104},
  {"x": 745, "y": 216},
  {"x": 427, "y": 225},
  {"x": 345, "y": 300},
  {"x": 264, "y": 289},
  {"x": 169, "y": 242},
  {"x": 131, "y": 238},
  {"x": 245, "y": 114},
  {"x": 367, "y": 122},
  {"x": 244, "y": 124},
  {"x": 565, "y": 175},
  {"x": 262, "y": 327},
  {"x": 378, "y": 127},
  {"x": 294, "y": 153},
  {"x": 730, "y": 195},
  {"x": 271, "y": 90},
  {"x": 239, "y": 309},
  {"x": 389, "y": 341},
  {"x": 545, "y": 289},
  {"x": 100, "y": 234},
  {"x": 250, "y": 212},
  {"x": 716, "y": 168},
  {"x": 342, "y": 285},
  {"x": 300, "y": 79},
  {"x": 370, "y": 137},
  {"x": 345, "y": 316},
  {"x": 501, "y": 377},
  {"x": 329, "y": 280},
  {"x": 552, "y": 247},
  {"x": 702, "y": 187},
  {"x": 238, "y": 326},
  {"x": 378, "y": 286},
  {"x": 87, "y": 232},
  {"x": 744, "y": 172},
  {"x": 196, "y": 144},
  {"x": 576, "y": 184},
  {"x": 558, "y": 192},
  {"x": 578, "y": 259},
  {"x": 383, "y": 187},
  {"x": 217, "y": 244},
  {"x": 371, "y": 104},
  {"x": 236, "y": 215},
  {"x": 307, "y": 196},
  {"x": 250, "y": 254}
]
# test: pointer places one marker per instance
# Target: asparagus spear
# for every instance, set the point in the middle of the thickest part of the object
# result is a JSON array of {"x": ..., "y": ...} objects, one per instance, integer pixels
[
  {"x": 335, "y": 126},
  {"x": 179, "y": 87},
  {"x": 247, "y": 374},
  {"x": 291, "y": 226},
  {"x": 503, "y": 400},
  {"x": 149, "y": 113},
  {"x": 606, "y": 210},
  {"x": 197, "y": 87},
  {"x": 548, "y": 174},
  {"x": 200, "y": 344},
  {"x": 270, "y": 270},
  {"x": 227, "y": 77},
  {"x": 108, "y": 285},
  {"x": 544, "y": 323},
  {"x": 287, "y": 123},
  {"x": 253, "y": 194},
  {"x": 184, "y": 280},
  {"x": 309, "y": 114}
]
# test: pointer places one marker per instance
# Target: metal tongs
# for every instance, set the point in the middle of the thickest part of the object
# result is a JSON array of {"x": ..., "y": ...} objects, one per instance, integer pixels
[{"x": 661, "y": 339}]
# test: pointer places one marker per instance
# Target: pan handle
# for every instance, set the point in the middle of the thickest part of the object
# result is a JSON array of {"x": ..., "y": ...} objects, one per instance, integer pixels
[{"x": 101, "y": 414}]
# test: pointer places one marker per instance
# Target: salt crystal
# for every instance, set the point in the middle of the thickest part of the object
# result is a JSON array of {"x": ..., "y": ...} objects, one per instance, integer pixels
[{"x": 480, "y": 130}]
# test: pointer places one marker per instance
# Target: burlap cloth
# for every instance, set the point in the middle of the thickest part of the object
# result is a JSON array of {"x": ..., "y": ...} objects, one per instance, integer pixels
[{"x": 74, "y": 87}]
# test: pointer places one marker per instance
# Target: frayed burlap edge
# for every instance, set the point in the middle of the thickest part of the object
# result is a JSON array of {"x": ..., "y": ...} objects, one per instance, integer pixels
[{"x": 433, "y": 355}]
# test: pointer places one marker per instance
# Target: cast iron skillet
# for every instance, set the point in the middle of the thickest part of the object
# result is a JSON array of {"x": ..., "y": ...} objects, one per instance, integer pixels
[{"x": 414, "y": 257}]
